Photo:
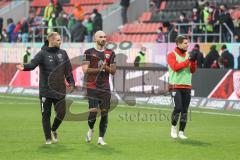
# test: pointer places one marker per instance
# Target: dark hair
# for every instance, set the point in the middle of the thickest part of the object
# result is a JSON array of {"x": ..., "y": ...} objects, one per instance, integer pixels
[
  {"x": 95, "y": 10},
  {"x": 9, "y": 20},
  {"x": 213, "y": 47},
  {"x": 224, "y": 46},
  {"x": 197, "y": 46},
  {"x": 183, "y": 14},
  {"x": 180, "y": 39}
]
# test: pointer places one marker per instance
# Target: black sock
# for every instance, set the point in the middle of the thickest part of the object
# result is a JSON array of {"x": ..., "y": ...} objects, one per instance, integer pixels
[
  {"x": 92, "y": 119},
  {"x": 56, "y": 124},
  {"x": 103, "y": 123}
]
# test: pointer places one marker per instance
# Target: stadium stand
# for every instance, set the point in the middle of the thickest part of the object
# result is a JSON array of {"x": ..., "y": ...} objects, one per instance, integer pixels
[
  {"x": 146, "y": 25},
  {"x": 68, "y": 5},
  {"x": 169, "y": 11},
  {"x": 3, "y": 3}
]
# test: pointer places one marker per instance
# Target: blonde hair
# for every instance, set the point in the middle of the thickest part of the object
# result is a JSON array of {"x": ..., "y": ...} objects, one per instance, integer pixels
[{"x": 51, "y": 35}]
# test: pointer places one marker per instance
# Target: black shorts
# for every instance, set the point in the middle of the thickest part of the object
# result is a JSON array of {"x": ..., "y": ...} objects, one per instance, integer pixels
[{"x": 98, "y": 98}]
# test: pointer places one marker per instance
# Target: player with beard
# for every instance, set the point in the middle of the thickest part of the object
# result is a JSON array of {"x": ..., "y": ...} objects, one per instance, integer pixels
[
  {"x": 181, "y": 65},
  {"x": 98, "y": 64}
]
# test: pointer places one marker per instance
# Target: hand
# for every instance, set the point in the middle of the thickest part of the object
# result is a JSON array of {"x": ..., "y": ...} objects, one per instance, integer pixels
[
  {"x": 20, "y": 67},
  {"x": 71, "y": 89},
  {"x": 193, "y": 56}
]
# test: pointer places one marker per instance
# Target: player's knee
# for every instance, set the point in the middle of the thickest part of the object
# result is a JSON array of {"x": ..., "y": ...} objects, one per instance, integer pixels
[
  {"x": 177, "y": 110},
  {"x": 92, "y": 116},
  {"x": 46, "y": 115},
  {"x": 183, "y": 117},
  {"x": 61, "y": 112},
  {"x": 104, "y": 112}
]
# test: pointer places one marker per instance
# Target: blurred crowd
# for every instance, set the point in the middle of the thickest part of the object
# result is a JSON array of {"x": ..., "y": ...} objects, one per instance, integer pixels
[
  {"x": 216, "y": 59},
  {"x": 80, "y": 24},
  {"x": 216, "y": 19}
]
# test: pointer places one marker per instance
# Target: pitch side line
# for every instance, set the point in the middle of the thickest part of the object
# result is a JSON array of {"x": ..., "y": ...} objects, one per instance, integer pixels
[{"x": 120, "y": 105}]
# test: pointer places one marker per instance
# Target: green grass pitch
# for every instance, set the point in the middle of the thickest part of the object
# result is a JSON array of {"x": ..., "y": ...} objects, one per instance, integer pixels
[{"x": 133, "y": 134}]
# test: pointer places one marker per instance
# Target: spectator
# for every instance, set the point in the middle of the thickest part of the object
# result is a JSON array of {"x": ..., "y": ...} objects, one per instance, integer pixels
[
  {"x": 211, "y": 57},
  {"x": 200, "y": 58},
  {"x": 195, "y": 16},
  {"x": 78, "y": 12},
  {"x": 209, "y": 24},
  {"x": 10, "y": 29},
  {"x": 58, "y": 9},
  {"x": 17, "y": 31},
  {"x": 201, "y": 4},
  {"x": 237, "y": 29},
  {"x": 71, "y": 21},
  {"x": 52, "y": 24},
  {"x": 4, "y": 35},
  {"x": 89, "y": 26},
  {"x": 225, "y": 18},
  {"x": 227, "y": 57},
  {"x": 215, "y": 17},
  {"x": 152, "y": 6},
  {"x": 183, "y": 20},
  {"x": 204, "y": 18},
  {"x": 63, "y": 22},
  {"x": 49, "y": 9},
  {"x": 25, "y": 30},
  {"x": 27, "y": 55},
  {"x": 34, "y": 19},
  {"x": 174, "y": 34},
  {"x": 140, "y": 59},
  {"x": 125, "y": 4},
  {"x": 78, "y": 32},
  {"x": 97, "y": 21},
  {"x": 196, "y": 19},
  {"x": 218, "y": 63},
  {"x": 161, "y": 36}
]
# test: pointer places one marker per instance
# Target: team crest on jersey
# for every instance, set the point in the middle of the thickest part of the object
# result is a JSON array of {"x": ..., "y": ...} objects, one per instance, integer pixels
[{"x": 60, "y": 56}]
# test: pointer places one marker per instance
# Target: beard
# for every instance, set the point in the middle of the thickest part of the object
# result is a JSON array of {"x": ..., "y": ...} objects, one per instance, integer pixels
[
  {"x": 101, "y": 43},
  {"x": 57, "y": 45}
]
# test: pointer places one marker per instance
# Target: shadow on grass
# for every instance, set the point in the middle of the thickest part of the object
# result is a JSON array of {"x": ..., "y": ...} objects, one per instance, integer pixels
[
  {"x": 54, "y": 149},
  {"x": 194, "y": 142},
  {"x": 106, "y": 149}
]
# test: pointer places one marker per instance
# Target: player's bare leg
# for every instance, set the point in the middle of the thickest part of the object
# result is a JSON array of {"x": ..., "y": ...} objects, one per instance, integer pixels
[
  {"x": 103, "y": 126},
  {"x": 91, "y": 121}
]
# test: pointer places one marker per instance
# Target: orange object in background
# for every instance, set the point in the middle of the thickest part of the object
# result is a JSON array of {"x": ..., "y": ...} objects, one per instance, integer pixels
[{"x": 78, "y": 12}]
